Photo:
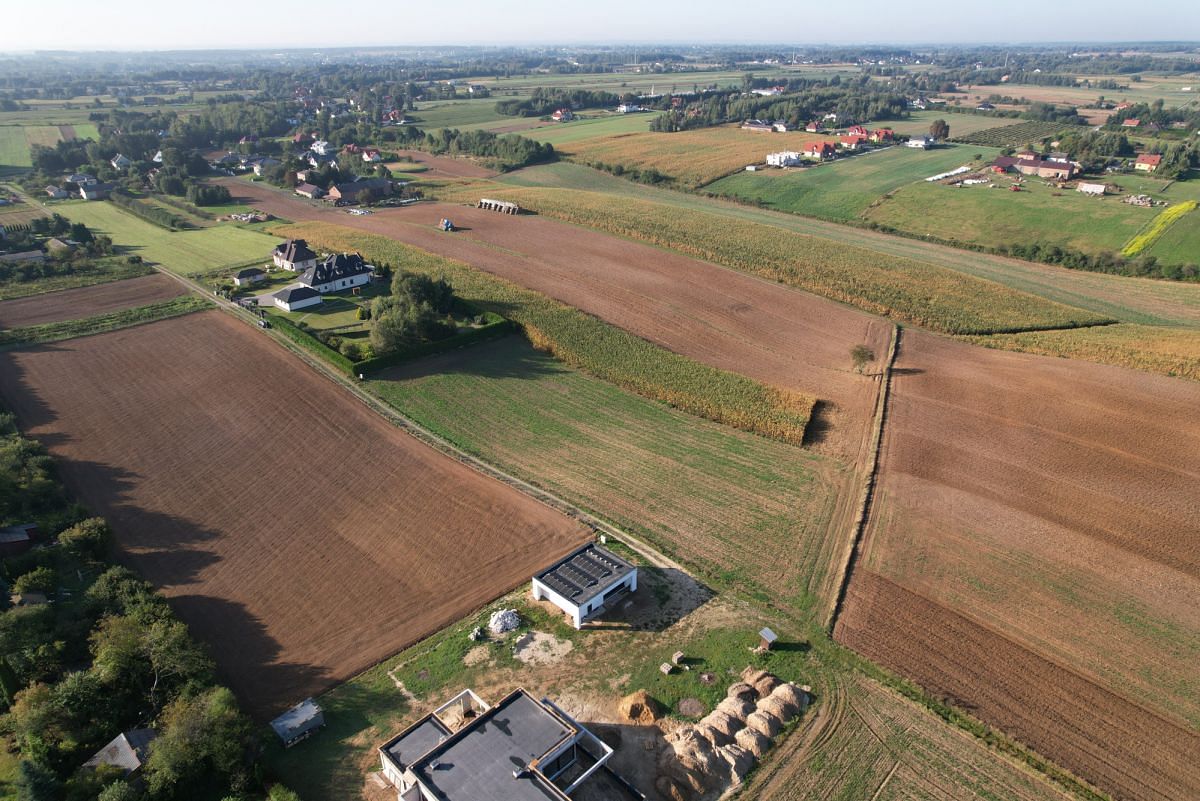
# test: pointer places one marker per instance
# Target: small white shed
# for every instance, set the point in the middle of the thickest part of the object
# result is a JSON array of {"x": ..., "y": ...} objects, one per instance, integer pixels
[{"x": 584, "y": 583}]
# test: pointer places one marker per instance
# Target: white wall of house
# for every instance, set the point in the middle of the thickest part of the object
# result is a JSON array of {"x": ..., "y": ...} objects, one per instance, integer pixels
[
  {"x": 300, "y": 304},
  {"x": 296, "y": 267},
  {"x": 343, "y": 283},
  {"x": 578, "y": 613}
]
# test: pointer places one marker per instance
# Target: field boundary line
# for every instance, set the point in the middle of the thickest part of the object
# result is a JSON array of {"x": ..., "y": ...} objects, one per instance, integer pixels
[
  {"x": 854, "y": 544},
  {"x": 652, "y": 555}
]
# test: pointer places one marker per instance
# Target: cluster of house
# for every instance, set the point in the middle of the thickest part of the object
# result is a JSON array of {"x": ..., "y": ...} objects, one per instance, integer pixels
[
  {"x": 856, "y": 138},
  {"x": 81, "y": 184},
  {"x": 1057, "y": 166},
  {"x": 336, "y": 272}
]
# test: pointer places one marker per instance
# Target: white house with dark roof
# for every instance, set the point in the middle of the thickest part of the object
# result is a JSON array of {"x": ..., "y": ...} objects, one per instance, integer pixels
[
  {"x": 338, "y": 272},
  {"x": 294, "y": 255},
  {"x": 248, "y": 276},
  {"x": 127, "y": 751},
  {"x": 585, "y": 582},
  {"x": 296, "y": 298}
]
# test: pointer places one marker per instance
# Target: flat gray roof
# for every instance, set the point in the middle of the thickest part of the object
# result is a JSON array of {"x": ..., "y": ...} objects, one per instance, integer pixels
[
  {"x": 581, "y": 576},
  {"x": 417, "y": 741},
  {"x": 479, "y": 760},
  {"x": 298, "y": 719}
]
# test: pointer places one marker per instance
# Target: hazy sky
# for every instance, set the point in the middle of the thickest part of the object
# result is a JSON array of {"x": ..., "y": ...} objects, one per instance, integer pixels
[{"x": 140, "y": 25}]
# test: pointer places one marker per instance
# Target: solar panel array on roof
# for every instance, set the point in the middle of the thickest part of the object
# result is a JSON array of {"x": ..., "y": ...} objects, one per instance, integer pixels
[{"x": 585, "y": 574}]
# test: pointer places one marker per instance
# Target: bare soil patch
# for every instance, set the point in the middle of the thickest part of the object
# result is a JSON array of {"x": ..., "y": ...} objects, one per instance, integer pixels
[
  {"x": 541, "y": 648},
  {"x": 446, "y": 167},
  {"x": 298, "y": 534},
  {"x": 88, "y": 301}
]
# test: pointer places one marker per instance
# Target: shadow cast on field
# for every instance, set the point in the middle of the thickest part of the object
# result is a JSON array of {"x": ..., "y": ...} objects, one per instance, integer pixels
[
  {"x": 820, "y": 424},
  {"x": 509, "y": 357},
  {"x": 665, "y": 596}
]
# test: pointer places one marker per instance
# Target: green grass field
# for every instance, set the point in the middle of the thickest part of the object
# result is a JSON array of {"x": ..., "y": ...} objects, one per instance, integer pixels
[
  {"x": 190, "y": 253},
  {"x": 996, "y": 217},
  {"x": 724, "y": 500},
  {"x": 918, "y": 122},
  {"x": 458, "y": 114},
  {"x": 844, "y": 189},
  {"x": 596, "y": 124}
]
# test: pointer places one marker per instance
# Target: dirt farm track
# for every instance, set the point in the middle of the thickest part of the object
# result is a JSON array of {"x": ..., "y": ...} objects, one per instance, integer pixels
[
  {"x": 73, "y": 304},
  {"x": 298, "y": 534}
]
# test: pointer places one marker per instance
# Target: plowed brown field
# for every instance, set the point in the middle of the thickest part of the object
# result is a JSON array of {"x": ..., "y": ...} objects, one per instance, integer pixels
[
  {"x": 718, "y": 316},
  {"x": 1056, "y": 501},
  {"x": 88, "y": 301},
  {"x": 298, "y": 534},
  {"x": 445, "y": 166},
  {"x": 1102, "y": 737}
]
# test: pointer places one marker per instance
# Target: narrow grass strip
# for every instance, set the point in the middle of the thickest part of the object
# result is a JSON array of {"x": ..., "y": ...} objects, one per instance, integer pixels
[{"x": 70, "y": 329}]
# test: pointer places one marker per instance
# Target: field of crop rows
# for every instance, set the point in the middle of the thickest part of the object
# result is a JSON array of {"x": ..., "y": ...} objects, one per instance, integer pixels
[{"x": 1019, "y": 135}]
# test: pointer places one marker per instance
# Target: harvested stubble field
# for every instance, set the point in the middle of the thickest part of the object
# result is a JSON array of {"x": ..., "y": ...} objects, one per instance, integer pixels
[
  {"x": 868, "y": 742},
  {"x": 73, "y": 304},
  {"x": 724, "y": 501},
  {"x": 295, "y": 531},
  {"x": 693, "y": 158},
  {"x": 1157, "y": 349},
  {"x": 904, "y": 289},
  {"x": 1055, "y": 500},
  {"x": 1130, "y": 300}
]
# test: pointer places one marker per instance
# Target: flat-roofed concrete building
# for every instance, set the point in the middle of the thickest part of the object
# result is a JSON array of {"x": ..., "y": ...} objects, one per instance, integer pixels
[
  {"x": 584, "y": 583},
  {"x": 521, "y": 749}
]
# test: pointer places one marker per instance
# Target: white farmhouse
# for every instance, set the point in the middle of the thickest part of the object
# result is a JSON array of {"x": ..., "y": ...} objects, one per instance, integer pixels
[
  {"x": 784, "y": 158},
  {"x": 294, "y": 255},
  {"x": 338, "y": 271}
]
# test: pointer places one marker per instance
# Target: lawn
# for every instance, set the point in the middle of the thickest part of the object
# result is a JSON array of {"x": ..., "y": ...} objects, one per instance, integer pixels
[
  {"x": 190, "y": 253},
  {"x": 594, "y": 124},
  {"x": 1181, "y": 242},
  {"x": 728, "y": 502},
  {"x": 998, "y": 217},
  {"x": 457, "y": 113},
  {"x": 844, "y": 189},
  {"x": 918, "y": 122}
]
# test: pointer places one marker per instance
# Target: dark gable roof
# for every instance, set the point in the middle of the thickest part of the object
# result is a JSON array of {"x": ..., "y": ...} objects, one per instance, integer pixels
[
  {"x": 295, "y": 250},
  {"x": 297, "y": 293},
  {"x": 335, "y": 267},
  {"x": 249, "y": 272}
]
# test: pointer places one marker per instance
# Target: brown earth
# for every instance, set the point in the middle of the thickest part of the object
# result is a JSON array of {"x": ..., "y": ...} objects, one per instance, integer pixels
[
  {"x": 1056, "y": 501},
  {"x": 444, "y": 166},
  {"x": 721, "y": 317},
  {"x": 295, "y": 531},
  {"x": 88, "y": 301},
  {"x": 1100, "y": 736}
]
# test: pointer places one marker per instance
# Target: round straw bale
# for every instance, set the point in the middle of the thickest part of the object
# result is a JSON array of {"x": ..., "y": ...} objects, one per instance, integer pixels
[
  {"x": 742, "y": 690},
  {"x": 752, "y": 674},
  {"x": 766, "y": 684},
  {"x": 792, "y": 694},
  {"x": 738, "y": 759},
  {"x": 736, "y": 707},
  {"x": 753, "y": 741},
  {"x": 763, "y": 723},
  {"x": 713, "y": 735},
  {"x": 724, "y": 723},
  {"x": 778, "y": 708}
]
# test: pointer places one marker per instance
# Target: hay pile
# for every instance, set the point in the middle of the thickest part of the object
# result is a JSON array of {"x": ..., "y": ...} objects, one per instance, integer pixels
[
  {"x": 639, "y": 708},
  {"x": 754, "y": 742},
  {"x": 722, "y": 747}
]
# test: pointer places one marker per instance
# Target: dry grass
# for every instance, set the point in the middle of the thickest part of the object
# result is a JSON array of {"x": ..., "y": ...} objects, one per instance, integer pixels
[
  {"x": 1169, "y": 351},
  {"x": 692, "y": 158}
]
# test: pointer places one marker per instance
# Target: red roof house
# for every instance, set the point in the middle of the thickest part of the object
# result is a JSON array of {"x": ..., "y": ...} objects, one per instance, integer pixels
[
  {"x": 858, "y": 130},
  {"x": 1132, "y": 122},
  {"x": 1147, "y": 162}
]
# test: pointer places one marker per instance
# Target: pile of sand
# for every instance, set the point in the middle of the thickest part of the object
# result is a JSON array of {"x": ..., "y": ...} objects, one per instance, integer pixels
[{"x": 639, "y": 708}]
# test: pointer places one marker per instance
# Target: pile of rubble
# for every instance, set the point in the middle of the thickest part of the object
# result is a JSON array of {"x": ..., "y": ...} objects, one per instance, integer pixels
[{"x": 718, "y": 750}]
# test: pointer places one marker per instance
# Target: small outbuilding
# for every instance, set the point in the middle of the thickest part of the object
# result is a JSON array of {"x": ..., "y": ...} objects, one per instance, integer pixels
[
  {"x": 585, "y": 582},
  {"x": 296, "y": 298},
  {"x": 17, "y": 539},
  {"x": 298, "y": 723},
  {"x": 250, "y": 275},
  {"x": 127, "y": 751}
]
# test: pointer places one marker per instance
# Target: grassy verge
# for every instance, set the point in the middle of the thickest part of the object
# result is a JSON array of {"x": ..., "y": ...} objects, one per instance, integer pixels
[
  {"x": 902, "y": 289},
  {"x": 590, "y": 344},
  {"x": 69, "y": 329},
  {"x": 1169, "y": 351},
  {"x": 100, "y": 272}
]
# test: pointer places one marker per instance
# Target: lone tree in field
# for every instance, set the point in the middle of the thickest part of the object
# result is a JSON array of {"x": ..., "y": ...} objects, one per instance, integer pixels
[
  {"x": 940, "y": 130},
  {"x": 860, "y": 355}
]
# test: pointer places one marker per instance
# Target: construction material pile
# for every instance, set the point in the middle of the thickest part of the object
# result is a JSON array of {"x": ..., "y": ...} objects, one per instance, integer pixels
[
  {"x": 503, "y": 620},
  {"x": 717, "y": 751}
]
